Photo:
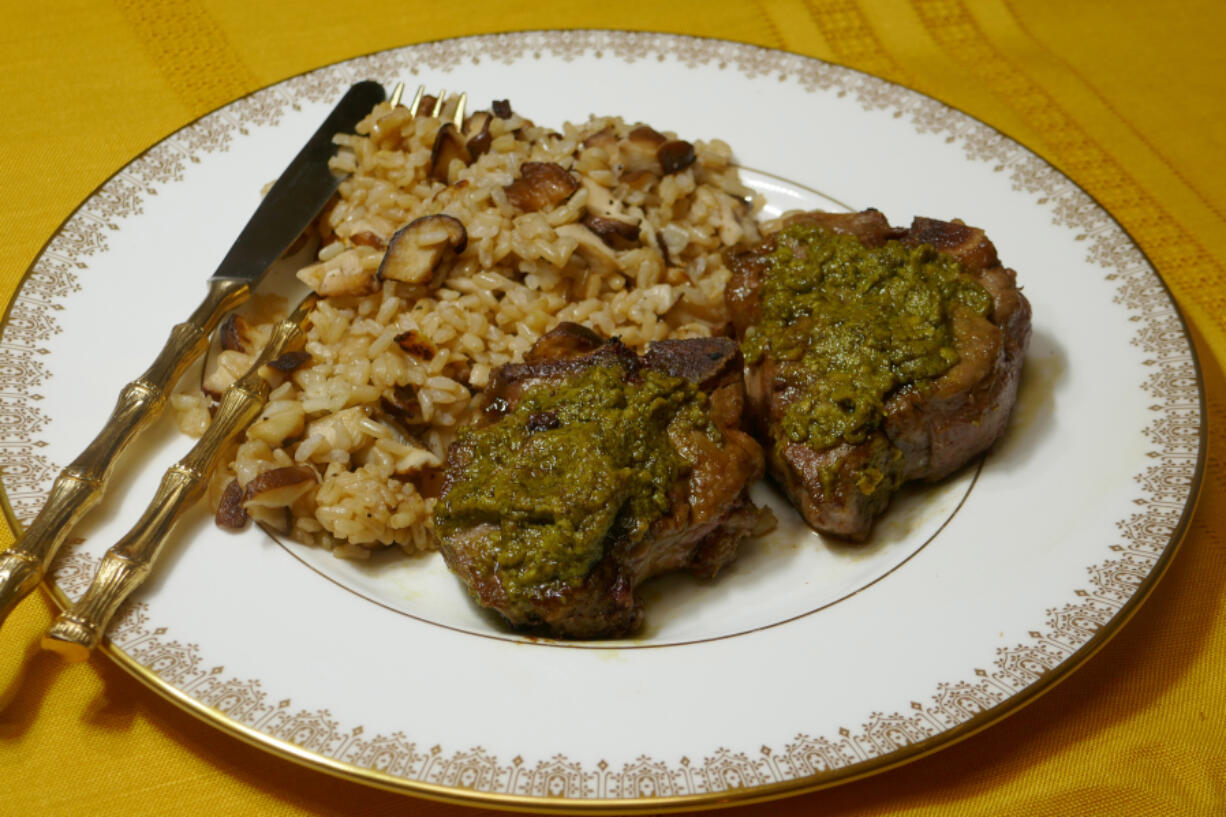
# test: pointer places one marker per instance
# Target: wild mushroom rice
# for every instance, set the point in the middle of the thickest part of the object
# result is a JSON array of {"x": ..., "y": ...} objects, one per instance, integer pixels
[{"x": 608, "y": 224}]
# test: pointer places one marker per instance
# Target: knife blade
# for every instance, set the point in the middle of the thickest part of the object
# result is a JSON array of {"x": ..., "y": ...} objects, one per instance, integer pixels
[
  {"x": 296, "y": 198},
  {"x": 298, "y": 194}
]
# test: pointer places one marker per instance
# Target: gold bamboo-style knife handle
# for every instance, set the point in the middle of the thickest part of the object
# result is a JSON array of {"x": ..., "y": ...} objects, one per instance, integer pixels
[
  {"x": 79, "y": 486},
  {"x": 129, "y": 561}
]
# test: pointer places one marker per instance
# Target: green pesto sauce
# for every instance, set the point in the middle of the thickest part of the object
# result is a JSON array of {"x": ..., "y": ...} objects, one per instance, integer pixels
[
  {"x": 850, "y": 324},
  {"x": 570, "y": 465}
]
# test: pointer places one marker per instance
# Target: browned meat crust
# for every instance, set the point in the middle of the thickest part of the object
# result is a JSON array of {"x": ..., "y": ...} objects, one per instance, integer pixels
[
  {"x": 924, "y": 436},
  {"x": 710, "y": 510}
]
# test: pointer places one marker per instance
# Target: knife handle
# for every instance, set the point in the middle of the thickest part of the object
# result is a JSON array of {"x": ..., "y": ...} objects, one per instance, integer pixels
[
  {"x": 129, "y": 561},
  {"x": 79, "y": 486}
]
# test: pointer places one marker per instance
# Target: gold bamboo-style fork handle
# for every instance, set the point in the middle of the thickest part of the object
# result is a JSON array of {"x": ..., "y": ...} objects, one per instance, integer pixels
[
  {"x": 79, "y": 486},
  {"x": 129, "y": 561}
]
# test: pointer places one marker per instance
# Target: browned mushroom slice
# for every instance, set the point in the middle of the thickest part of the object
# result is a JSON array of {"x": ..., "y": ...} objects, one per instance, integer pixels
[
  {"x": 600, "y": 258},
  {"x": 638, "y": 150},
  {"x": 448, "y": 146},
  {"x": 606, "y": 219},
  {"x": 605, "y": 138},
  {"x": 647, "y": 135},
  {"x": 663, "y": 247},
  {"x": 230, "y": 511},
  {"x": 235, "y": 334},
  {"x": 290, "y": 361},
  {"x": 417, "y": 252},
  {"x": 368, "y": 239},
  {"x": 620, "y": 235},
  {"x": 639, "y": 180},
  {"x": 279, "y": 487},
  {"x": 477, "y": 131},
  {"x": 402, "y": 403},
  {"x": 413, "y": 343},
  {"x": 675, "y": 155},
  {"x": 541, "y": 185},
  {"x": 343, "y": 274},
  {"x": 385, "y": 133}
]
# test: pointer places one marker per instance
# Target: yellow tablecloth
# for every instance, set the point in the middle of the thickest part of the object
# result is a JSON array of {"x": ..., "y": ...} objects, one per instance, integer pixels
[{"x": 1127, "y": 97}]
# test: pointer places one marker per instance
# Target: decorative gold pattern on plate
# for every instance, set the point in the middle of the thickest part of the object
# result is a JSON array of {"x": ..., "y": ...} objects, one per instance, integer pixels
[{"x": 1165, "y": 488}]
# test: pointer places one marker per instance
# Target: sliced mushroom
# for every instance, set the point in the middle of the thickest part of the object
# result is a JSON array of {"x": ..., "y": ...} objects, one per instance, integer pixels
[
  {"x": 235, "y": 334},
  {"x": 281, "y": 420},
  {"x": 477, "y": 131},
  {"x": 419, "y": 253},
  {"x": 369, "y": 239},
  {"x": 647, "y": 135},
  {"x": 606, "y": 219},
  {"x": 230, "y": 511},
  {"x": 343, "y": 274},
  {"x": 227, "y": 366},
  {"x": 600, "y": 258},
  {"x": 604, "y": 138},
  {"x": 638, "y": 150},
  {"x": 620, "y": 235},
  {"x": 342, "y": 431},
  {"x": 664, "y": 253},
  {"x": 675, "y": 155},
  {"x": 290, "y": 361},
  {"x": 413, "y": 343},
  {"x": 541, "y": 185},
  {"x": 448, "y": 146},
  {"x": 401, "y": 402},
  {"x": 639, "y": 180},
  {"x": 600, "y": 201},
  {"x": 279, "y": 487},
  {"x": 410, "y": 456},
  {"x": 385, "y": 133}
]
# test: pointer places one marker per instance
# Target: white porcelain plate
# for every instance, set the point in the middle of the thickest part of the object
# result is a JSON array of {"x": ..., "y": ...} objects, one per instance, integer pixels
[{"x": 809, "y": 662}]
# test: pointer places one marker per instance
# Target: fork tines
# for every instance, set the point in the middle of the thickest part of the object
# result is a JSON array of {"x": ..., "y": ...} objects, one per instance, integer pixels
[{"x": 440, "y": 103}]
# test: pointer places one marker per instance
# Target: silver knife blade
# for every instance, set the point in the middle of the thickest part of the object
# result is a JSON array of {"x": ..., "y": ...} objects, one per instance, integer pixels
[{"x": 299, "y": 193}]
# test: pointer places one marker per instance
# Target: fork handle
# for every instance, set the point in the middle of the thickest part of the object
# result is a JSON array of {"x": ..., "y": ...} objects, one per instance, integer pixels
[
  {"x": 79, "y": 486},
  {"x": 129, "y": 561}
]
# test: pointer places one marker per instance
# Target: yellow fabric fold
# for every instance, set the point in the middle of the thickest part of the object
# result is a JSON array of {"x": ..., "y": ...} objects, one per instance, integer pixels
[{"x": 1124, "y": 97}]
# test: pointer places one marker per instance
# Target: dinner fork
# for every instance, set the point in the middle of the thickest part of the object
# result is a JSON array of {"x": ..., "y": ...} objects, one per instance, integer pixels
[
  {"x": 77, "y": 630},
  {"x": 126, "y": 564}
]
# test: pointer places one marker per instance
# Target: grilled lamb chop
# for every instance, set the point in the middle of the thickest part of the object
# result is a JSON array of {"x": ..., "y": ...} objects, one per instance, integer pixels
[
  {"x": 921, "y": 427},
  {"x": 591, "y": 469}
]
